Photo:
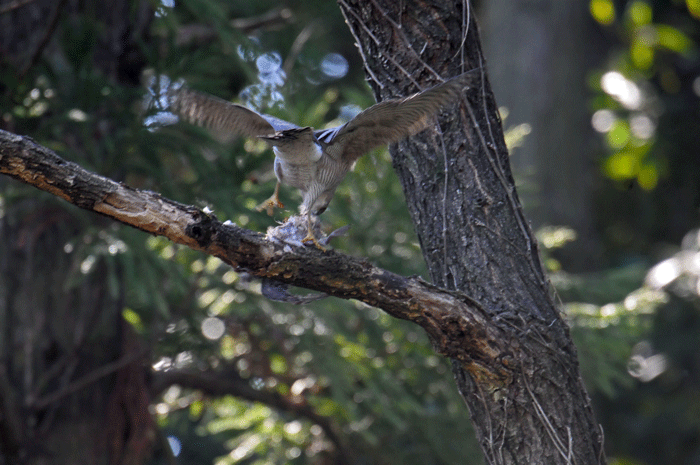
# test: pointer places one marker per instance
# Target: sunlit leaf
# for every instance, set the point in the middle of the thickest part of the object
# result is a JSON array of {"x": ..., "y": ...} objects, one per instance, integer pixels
[
  {"x": 133, "y": 319},
  {"x": 640, "y": 13},
  {"x": 244, "y": 418},
  {"x": 642, "y": 54},
  {"x": 621, "y": 166},
  {"x": 693, "y": 7},
  {"x": 196, "y": 409},
  {"x": 278, "y": 364},
  {"x": 673, "y": 39},
  {"x": 648, "y": 177},
  {"x": 603, "y": 11},
  {"x": 619, "y": 135}
]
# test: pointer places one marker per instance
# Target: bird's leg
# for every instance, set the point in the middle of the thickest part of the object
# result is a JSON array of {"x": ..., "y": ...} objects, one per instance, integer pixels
[
  {"x": 270, "y": 204},
  {"x": 310, "y": 236}
]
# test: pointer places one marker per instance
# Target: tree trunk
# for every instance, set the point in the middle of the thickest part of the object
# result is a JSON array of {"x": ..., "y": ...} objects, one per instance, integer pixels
[
  {"x": 511, "y": 352},
  {"x": 64, "y": 359},
  {"x": 69, "y": 380},
  {"x": 538, "y": 60},
  {"x": 474, "y": 238}
]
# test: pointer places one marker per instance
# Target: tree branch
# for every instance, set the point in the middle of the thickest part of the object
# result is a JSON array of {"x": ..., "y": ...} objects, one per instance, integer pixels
[
  {"x": 89, "y": 378},
  {"x": 220, "y": 384},
  {"x": 48, "y": 32},
  {"x": 474, "y": 236},
  {"x": 198, "y": 33},
  {"x": 14, "y": 5},
  {"x": 458, "y": 326}
]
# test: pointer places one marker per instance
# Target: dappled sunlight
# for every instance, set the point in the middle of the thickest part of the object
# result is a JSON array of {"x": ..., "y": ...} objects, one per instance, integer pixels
[
  {"x": 334, "y": 65},
  {"x": 603, "y": 120},
  {"x": 603, "y": 11},
  {"x": 229, "y": 376},
  {"x": 622, "y": 89},
  {"x": 213, "y": 328},
  {"x": 644, "y": 364},
  {"x": 682, "y": 270}
]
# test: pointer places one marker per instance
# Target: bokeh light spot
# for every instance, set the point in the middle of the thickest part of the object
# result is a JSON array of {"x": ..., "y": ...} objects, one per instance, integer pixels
[
  {"x": 693, "y": 7},
  {"x": 603, "y": 11},
  {"x": 213, "y": 328},
  {"x": 334, "y": 65},
  {"x": 640, "y": 13}
]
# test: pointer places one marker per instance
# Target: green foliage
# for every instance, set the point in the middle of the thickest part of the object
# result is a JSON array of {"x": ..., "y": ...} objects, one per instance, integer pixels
[
  {"x": 376, "y": 380},
  {"x": 637, "y": 337},
  {"x": 644, "y": 111}
]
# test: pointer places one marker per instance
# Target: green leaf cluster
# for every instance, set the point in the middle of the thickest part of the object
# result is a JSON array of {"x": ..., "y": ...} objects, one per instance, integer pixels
[{"x": 373, "y": 379}]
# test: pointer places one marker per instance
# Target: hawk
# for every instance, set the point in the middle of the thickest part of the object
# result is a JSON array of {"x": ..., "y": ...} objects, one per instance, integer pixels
[{"x": 316, "y": 161}]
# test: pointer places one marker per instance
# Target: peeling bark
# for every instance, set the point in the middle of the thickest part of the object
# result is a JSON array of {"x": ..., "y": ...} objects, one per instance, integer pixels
[
  {"x": 475, "y": 240},
  {"x": 444, "y": 314},
  {"x": 490, "y": 308}
]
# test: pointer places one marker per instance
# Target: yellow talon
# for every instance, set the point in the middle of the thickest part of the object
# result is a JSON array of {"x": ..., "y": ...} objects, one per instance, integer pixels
[
  {"x": 273, "y": 202},
  {"x": 310, "y": 236}
]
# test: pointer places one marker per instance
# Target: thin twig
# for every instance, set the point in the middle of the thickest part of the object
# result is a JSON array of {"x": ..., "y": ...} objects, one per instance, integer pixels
[
  {"x": 88, "y": 379},
  {"x": 50, "y": 29},
  {"x": 199, "y": 33},
  {"x": 222, "y": 383},
  {"x": 551, "y": 432},
  {"x": 376, "y": 80},
  {"x": 14, "y": 5},
  {"x": 466, "y": 11},
  {"x": 298, "y": 46},
  {"x": 272, "y": 19},
  {"x": 378, "y": 43}
]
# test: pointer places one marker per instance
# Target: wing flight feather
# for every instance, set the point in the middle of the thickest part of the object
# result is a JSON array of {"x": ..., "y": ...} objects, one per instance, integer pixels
[
  {"x": 224, "y": 119},
  {"x": 391, "y": 120}
]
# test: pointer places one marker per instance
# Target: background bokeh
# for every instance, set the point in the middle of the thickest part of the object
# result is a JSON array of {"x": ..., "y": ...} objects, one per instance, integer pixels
[{"x": 234, "y": 378}]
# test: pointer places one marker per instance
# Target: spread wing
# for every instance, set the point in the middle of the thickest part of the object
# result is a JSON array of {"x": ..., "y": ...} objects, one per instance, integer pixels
[
  {"x": 224, "y": 119},
  {"x": 389, "y": 121}
]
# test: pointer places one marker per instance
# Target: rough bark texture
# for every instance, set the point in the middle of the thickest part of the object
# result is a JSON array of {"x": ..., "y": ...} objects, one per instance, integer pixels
[
  {"x": 445, "y": 315},
  {"x": 497, "y": 321},
  {"x": 474, "y": 238}
]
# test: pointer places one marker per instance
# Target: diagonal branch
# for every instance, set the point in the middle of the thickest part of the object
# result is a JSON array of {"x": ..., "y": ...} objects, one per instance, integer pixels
[
  {"x": 220, "y": 384},
  {"x": 48, "y": 33},
  {"x": 199, "y": 33},
  {"x": 458, "y": 326}
]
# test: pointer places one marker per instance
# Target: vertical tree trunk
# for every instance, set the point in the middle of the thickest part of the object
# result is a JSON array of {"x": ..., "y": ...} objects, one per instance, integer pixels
[
  {"x": 538, "y": 62},
  {"x": 528, "y": 404},
  {"x": 56, "y": 328},
  {"x": 67, "y": 374}
]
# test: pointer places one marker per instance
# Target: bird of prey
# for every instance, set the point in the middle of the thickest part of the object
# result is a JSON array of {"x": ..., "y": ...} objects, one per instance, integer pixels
[{"x": 316, "y": 161}]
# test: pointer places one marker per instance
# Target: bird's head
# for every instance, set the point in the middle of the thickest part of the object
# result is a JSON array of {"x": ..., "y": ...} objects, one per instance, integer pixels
[{"x": 297, "y": 145}]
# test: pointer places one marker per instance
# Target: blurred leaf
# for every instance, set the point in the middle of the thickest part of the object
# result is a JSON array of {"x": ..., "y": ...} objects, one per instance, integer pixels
[
  {"x": 622, "y": 165},
  {"x": 642, "y": 54},
  {"x": 673, "y": 39},
  {"x": 640, "y": 13},
  {"x": 603, "y": 11},
  {"x": 693, "y": 7},
  {"x": 133, "y": 319}
]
